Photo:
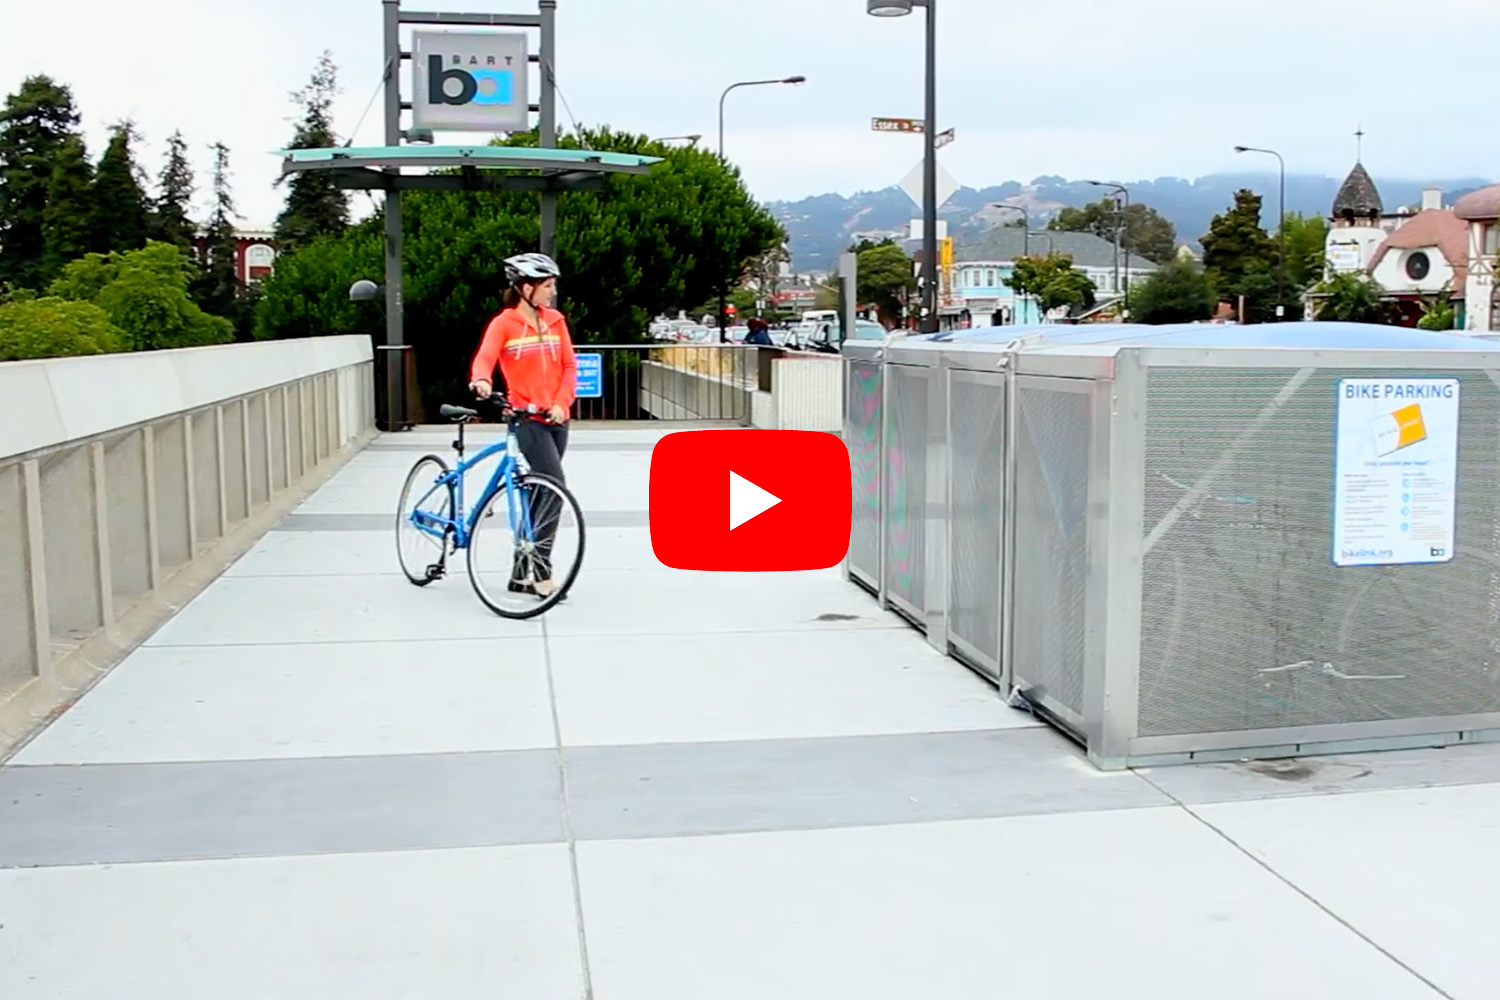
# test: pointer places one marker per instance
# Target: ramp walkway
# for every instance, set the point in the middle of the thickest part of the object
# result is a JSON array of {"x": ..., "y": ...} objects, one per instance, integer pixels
[{"x": 318, "y": 781}]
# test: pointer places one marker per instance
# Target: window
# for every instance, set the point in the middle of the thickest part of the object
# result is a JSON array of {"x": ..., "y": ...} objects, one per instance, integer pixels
[
  {"x": 1491, "y": 237},
  {"x": 1417, "y": 265}
]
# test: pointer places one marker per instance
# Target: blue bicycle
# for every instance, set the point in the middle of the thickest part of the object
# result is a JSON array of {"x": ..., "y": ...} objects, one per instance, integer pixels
[{"x": 529, "y": 569}]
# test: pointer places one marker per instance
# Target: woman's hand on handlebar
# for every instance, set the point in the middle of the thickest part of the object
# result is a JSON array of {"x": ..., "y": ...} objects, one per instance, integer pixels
[
  {"x": 481, "y": 388},
  {"x": 558, "y": 415}
]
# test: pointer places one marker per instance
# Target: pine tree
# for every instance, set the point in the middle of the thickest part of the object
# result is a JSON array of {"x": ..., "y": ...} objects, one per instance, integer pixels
[
  {"x": 217, "y": 290},
  {"x": 315, "y": 206},
  {"x": 67, "y": 226},
  {"x": 169, "y": 221},
  {"x": 36, "y": 122},
  {"x": 119, "y": 216}
]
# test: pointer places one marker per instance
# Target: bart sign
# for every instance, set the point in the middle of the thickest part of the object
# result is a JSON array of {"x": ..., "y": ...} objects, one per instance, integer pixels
[{"x": 470, "y": 81}]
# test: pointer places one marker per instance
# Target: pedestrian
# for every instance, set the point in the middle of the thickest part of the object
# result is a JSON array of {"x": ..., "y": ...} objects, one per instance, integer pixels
[{"x": 530, "y": 341}]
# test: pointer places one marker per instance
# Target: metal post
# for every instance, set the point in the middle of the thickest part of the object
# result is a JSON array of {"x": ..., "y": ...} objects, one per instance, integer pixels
[
  {"x": 547, "y": 126},
  {"x": 929, "y": 179},
  {"x": 1281, "y": 213},
  {"x": 394, "y": 335}
]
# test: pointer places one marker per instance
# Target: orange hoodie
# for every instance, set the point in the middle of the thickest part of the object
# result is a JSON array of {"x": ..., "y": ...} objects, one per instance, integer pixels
[{"x": 538, "y": 366}]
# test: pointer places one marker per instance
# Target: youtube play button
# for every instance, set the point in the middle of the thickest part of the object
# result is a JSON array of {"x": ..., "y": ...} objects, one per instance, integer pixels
[{"x": 750, "y": 500}]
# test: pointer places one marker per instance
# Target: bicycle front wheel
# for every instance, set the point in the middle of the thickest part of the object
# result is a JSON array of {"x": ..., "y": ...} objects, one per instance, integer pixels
[
  {"x": 526, "y": 547},
  {"x": 424, "y": 521}
]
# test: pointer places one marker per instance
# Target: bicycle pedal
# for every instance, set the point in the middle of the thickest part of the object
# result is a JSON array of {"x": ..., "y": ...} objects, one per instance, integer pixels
[{"x": 436, "y": 571}]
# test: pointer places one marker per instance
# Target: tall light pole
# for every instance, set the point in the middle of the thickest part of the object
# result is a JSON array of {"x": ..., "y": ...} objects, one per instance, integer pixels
[
  {"x": 1281, "y": 227},
  {"x": 1124, "y": 289},
  {"x": 898, "y": 8},
  {"x": 743, "y": 83}
]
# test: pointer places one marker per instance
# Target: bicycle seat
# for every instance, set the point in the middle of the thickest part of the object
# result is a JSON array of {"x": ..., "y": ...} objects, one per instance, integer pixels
[{"x": 457, "y": 412}]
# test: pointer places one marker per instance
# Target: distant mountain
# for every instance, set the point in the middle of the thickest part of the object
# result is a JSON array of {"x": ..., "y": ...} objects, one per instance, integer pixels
[{"x": 822, "y": 226}]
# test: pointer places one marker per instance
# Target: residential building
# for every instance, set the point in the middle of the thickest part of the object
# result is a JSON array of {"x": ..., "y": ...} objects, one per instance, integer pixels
[
  {"x": 254, "y": 253},
  {"x": 981, "y": 268},
  {"x": 1479, "y": 211},
  {"x": 1424, "y": 258}
]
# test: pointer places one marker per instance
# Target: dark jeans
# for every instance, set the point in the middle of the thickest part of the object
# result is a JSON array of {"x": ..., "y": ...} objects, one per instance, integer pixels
[{"x": 543, "y": 445}]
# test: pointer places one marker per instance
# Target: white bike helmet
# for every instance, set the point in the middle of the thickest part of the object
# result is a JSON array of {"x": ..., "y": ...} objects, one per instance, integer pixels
[{"x": 530, "y": 267}]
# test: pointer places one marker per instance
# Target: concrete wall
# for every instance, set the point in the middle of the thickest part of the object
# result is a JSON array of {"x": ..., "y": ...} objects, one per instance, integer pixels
[
  {"x": 673, "y": 393},
  {"x": 128, "y": 482},
  {"x": 808, "y": 390}
]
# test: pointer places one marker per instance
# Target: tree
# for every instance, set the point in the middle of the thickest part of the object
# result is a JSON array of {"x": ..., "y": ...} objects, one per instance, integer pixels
[
  {"x": 1240, "y": 257},
  {"x": 642, "y": 246},
  {"x": 36, "y": 122},
  {"x": 1144, "y": 230},
  {"x": 169, "y": 222},
  {"x": 315, "y": 206},
  {"x": 1306, "y": 240},
  {"x": 217, "y": 287},
  {"x": 67, "y": 223},
  {"x": 1351, "y": 298},
  {"x": 885, "y": 278},
  {"x": 1177, "y": 292},
  {"x": 50, "y": 327},
  {"x": 145, "y": 295},
  {"x": 119, "y": 211},
  {"x": 1053, "y": 282}
]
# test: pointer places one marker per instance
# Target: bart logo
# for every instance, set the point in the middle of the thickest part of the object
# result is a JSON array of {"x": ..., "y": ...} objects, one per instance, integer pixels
[{"x": 1398, "y": 429}]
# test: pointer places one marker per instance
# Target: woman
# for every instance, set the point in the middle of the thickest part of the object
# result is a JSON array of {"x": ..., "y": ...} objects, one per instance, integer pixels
[{"x": 530, "y": 341}]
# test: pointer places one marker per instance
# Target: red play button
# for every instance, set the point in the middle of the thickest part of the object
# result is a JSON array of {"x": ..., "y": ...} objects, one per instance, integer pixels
[{"x": 750, "y": 500}]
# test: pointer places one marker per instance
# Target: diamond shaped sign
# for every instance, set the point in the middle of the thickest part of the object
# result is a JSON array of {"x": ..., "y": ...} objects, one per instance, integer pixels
[{"x": 912, "y": 185}]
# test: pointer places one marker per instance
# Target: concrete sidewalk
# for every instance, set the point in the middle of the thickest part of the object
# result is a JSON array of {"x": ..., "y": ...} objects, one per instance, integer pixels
[{"x": 318, "y": 781}]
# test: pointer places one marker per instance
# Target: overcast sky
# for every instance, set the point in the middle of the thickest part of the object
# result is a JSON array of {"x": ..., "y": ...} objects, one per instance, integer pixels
[{"x": 1083, "y": 88}]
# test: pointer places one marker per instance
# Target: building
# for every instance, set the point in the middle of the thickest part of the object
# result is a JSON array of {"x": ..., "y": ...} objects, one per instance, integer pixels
[
  {"x": 1479, "y": 212},
  {"x": 1424, "y": 258},
  {"x": 1418, "y": 256},
  {"x": 254, "y": 253},
  {"x": 981, "y": 268}
]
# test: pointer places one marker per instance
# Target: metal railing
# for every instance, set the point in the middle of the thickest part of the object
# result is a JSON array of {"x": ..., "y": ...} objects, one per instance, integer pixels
[{"x": 694, "y": 382}]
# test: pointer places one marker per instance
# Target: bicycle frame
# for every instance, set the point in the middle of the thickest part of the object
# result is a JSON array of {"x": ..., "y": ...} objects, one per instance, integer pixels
[{"x": 461, "y": 527}]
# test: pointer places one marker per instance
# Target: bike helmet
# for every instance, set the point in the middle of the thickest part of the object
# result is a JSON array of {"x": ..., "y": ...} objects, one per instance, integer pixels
[{"x": 530, "y": 267}]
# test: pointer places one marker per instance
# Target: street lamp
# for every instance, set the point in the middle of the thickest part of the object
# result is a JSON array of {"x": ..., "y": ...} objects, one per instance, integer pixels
[
  {"x": 899, "y": 8},
  {"x": 691, "y": 140},
  {"x": 1281, "y": 226},
  {"x": 794, "y": 80},
  {"x": 1124, "y": 290}
]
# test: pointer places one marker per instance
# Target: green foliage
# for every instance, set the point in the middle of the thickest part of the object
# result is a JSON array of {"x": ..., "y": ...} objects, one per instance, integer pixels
[
  {"x": 1240, "y": 258},
  {"x": 1053, "y": 282},
  {"x": 34, "y": 126},
  {"x": 119, "y": 211},
  {"x": 144, "y": 293},
  {"x": 1306, "y": 239},
  {"x": 642, "y": 246},
  {"x": 1177, "y": 292},
  {"x": 51, "y": 327},
  {"x": 1145, "y": 231},
  {"x": 1438, "y": 313},
  {"x": 315, "y": 206},
  {"x": 886, "y": 278},
  {"x": 216, "y": 288},
  {"x": 1352, "y": 298},
  {"x": 67, "y": 223}
]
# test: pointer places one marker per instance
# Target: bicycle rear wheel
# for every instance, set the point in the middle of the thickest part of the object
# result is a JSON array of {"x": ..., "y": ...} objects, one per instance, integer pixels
[
  {"x": 424, "y": 521},
  {"x": 534, "y": 539}
]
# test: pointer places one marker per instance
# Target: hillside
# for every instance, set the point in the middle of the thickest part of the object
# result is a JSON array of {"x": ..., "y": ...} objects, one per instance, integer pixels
[{"x": 823, "y": 225}]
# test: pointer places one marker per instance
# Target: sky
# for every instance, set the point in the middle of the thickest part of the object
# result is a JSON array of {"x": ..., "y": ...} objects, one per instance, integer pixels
[{"x": 1082, "y": 89}]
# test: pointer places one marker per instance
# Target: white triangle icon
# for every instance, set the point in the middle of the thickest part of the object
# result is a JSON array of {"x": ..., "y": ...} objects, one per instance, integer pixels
[{"x": 746, "y": 500}]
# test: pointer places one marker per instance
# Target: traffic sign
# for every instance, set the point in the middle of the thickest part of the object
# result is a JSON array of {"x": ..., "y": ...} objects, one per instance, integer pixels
[
  {"x": 912, "y": 185},
  {"x": 942, "y": 139},
  {"x": 896, "y": 124}
]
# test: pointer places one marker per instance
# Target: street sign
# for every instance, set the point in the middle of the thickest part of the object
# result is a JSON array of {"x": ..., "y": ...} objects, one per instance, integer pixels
[
  {"x": 896, "y": 124},
  {"x": 942, "y": 139},
  {"x": 912, "y": 185},
  {"x": 589, "y": 383}
]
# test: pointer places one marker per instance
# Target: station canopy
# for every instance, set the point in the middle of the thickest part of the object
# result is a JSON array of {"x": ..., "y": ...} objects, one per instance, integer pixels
[{"x": 465, "y": 168}]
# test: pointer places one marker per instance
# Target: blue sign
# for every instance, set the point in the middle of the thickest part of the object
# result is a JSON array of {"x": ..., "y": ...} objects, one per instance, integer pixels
[{"x": 590, "y": 381}]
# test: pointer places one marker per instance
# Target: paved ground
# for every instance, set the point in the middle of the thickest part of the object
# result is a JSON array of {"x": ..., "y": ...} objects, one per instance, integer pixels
[{"x": 320, "y": 782}]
